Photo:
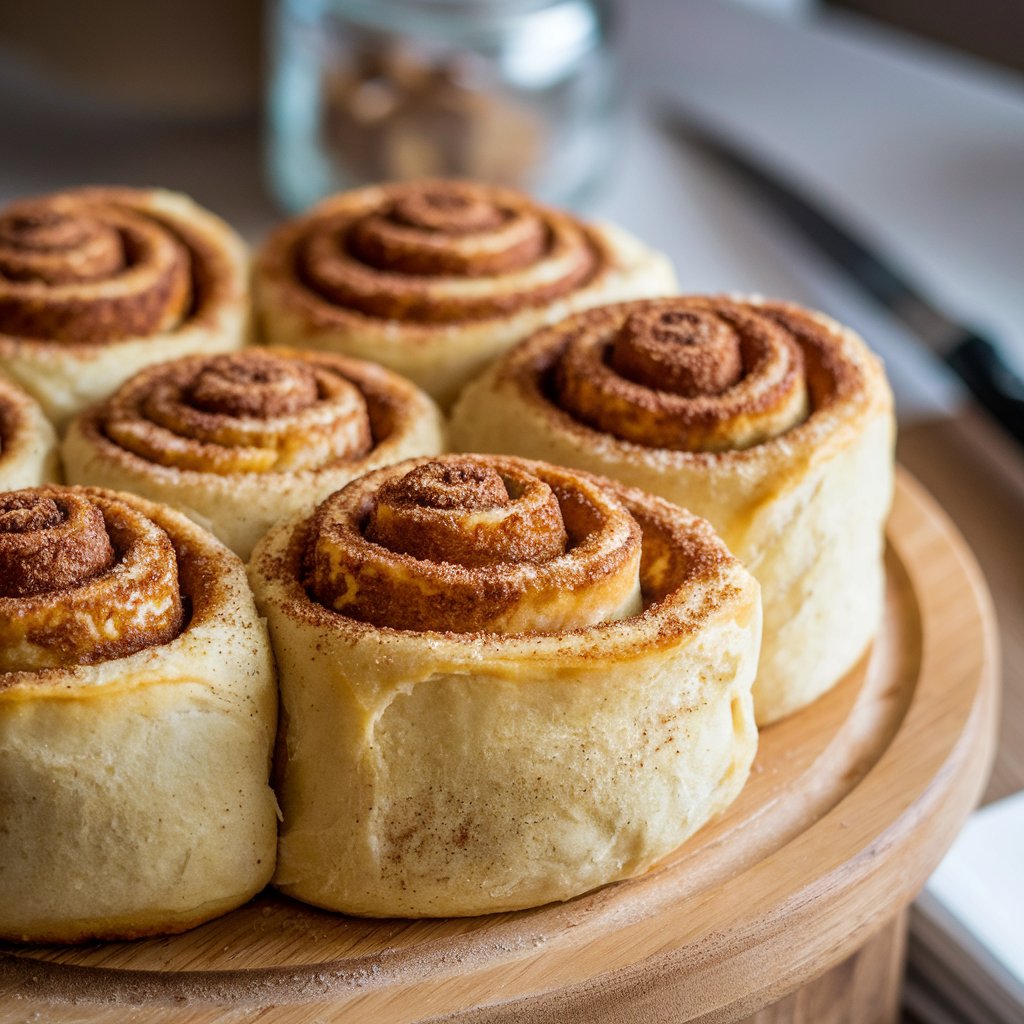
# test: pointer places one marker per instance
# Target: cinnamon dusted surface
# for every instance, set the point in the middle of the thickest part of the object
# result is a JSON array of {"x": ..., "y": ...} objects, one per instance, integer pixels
[
  {"x": 461, "y": 511},
  {"x": 261, "y": 410},
  {"x": 255, "y": 411},
  {"x": 685, "y": 374},
  {"x": 84, "y": 577},
  {"x": 687, "y": 576},
  {"x": 95, "y": 265},
  {"x": 253, "y": 384},
  {"x": 431, "y": 252},
  {"x": 240, "y": 441},
  {"x": 49, "y": 543},
  {"x": 97, "y": 283},
  {"x": 208, "y": 583},
  {"x": 466, "y": 543},
  {"x": 817, "y": 378}
]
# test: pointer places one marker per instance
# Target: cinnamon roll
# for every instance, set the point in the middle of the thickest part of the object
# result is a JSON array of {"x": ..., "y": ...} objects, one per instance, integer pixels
[
  {"x": 436, "y": 278},
  {"x": 503, "y": 683},
  {"x": 28, "y": 445},
  {"x": 773, "y": 422},
  {"x": 237, "y": 441},
  {"x": 137, "y": 716},
  {"x": 96, "y": 283}
]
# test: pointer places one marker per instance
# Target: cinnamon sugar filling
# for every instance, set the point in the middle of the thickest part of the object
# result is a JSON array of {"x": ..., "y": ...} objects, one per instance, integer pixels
[
  {"x": 248, "y": 412},
  {"x": 475, "y": 543},
  {"x": 84, "y": 577},
  {"x": 436, "y": 252},
  {"x": 95, "y": 265},
  {"x": 685, "y": 374}
]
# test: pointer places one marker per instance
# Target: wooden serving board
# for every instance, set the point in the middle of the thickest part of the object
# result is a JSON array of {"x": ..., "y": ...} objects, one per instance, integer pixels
[{"x": 850, "y": 806}]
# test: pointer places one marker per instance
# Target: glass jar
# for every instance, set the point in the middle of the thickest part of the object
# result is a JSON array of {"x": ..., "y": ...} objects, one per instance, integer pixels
[{"x": 509, "y": 91}]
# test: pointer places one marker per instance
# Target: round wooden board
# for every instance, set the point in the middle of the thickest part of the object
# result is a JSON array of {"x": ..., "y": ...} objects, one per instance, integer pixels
[{"x": 850, "y": 806}]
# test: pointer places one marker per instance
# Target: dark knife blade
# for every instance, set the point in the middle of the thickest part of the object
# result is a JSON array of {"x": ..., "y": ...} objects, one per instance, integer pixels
[{"x": 975, "y": 358}]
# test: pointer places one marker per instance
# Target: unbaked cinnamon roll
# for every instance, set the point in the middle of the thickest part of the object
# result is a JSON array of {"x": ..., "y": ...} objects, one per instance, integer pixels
[
  {"x": 237, "y": 441},
  {"x": 503, "y": 683},
  {"x": 436, "y": 278},
  {"x": 137, "y": 716},
  {"x": 28, "y": 445},
  {"x": 96, "y": 283},
  {"x": 773, "y": 422}
]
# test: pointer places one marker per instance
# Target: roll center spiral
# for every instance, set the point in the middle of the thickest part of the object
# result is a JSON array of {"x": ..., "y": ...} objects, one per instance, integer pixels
[
  {"x": 685, "y": 352},
  {"x": 689, "y": 374},
  {"x": 447, "y": 229},
  {"x": 49, "y": 543},
  {"x": 38, "y": 244},
  {"x": 436, "y": 252},
  {"x": 85, "y": 576},
  {"x": 93, "y": 266},
  {"x": 462, "y": 512},
  {"x": 446, "y": 210},
  {"x": 22, "y": 513},
  {"x": 250, "y": 386},
  {"x": 466, "y": 543},
  {"x": 249, "y": 412},
  {"x": 466, "y": 486}
]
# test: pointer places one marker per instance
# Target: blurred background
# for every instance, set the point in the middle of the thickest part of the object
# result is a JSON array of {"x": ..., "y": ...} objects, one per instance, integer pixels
[{"x": 905, "y": 118}]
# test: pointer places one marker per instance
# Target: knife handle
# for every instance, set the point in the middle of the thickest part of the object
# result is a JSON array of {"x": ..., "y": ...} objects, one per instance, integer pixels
[{"x": 995, "y": 384}]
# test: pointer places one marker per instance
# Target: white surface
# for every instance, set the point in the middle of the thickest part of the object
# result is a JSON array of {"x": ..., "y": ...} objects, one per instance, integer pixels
[
  {"x": 981, "y": 885},
  {"x": 968, "y": 924},
  {"x": 785, "y": 7}
]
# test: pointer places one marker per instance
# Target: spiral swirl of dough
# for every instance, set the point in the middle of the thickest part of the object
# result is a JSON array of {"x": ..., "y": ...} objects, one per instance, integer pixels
[
  {"x": 92, "y": 266},
  {"x": 437, "y": 252},
  {"x": 689, "y": 374},
  {"x": 434, "y": 279},
  {"x": 84, "y": 578},
  {"x": 247, "y": 412},
  {"x": 240, "y": 440},
  {"x": 97, "y": 283},
  {"x": 469, "y": 543}
]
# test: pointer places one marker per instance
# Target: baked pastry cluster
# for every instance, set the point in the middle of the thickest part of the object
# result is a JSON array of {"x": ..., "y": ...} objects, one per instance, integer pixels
[
  {"x": 238, "y": 441},
  {"x": 137, "y": 716},
  {"x": 435, "y": 279},
  {"x": 503, "y": 683},
  {"x": 96, "y": 283},
  {"x": 773, "y": 422}
]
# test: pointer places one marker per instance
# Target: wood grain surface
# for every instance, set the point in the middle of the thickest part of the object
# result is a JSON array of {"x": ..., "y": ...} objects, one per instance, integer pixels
[
  {"x": 863, "y": 989},
  {"x": 850, "y": 806}
]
